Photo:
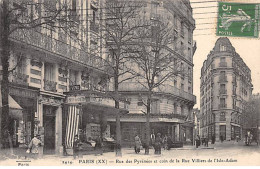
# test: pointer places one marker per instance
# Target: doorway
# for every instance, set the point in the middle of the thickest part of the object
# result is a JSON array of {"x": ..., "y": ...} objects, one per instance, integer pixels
[{"x": 49, "y": 118}]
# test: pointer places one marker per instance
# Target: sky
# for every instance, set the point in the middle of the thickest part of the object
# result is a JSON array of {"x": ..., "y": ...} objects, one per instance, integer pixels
[{"x": 205, "y": 15}]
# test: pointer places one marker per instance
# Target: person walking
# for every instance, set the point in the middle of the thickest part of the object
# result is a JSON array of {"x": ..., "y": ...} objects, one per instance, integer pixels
[
  {"x": 213, "y": 139},
  {"x": 33, "y": 147},
  {"x": 197, "y": 141},
  {"x": 157, "y": 144},
  {"x": 152, "y": 139},
  {"x": 221, "y": 138},
  {"x": 169, "y": 142},
  {"x": 165, "y": 142},
  {"x": 76, "y": 146},
  {"x": 98, "y": 146},
  {"x": 138, "y": 144},
  {"x": 206, "y": 142}
]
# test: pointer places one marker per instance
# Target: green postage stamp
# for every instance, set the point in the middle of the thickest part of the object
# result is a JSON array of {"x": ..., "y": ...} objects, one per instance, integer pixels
[{"x": 237, "y": 19}]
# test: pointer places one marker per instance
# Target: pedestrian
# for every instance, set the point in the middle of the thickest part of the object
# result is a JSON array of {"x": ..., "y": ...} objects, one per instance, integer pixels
[
  {"x": 165, "y": 142},
  {"x": 169, "y": 142},
  {"x": 206, "y": 142},
  {"x": 213, "y": 139},
  {"x": 33, "y": 147},
  {"x": 152, "y": 138},
  {"x": 98, "y": 146},
  {"x": 221, "y": 138},
  {"x": 138, "y": 144},
  {"x": 76, "y": 146},
  {"x": 157, "y": 144},
  {"x": 197, "y": 140},
  {"x": 237, "y": 138}
]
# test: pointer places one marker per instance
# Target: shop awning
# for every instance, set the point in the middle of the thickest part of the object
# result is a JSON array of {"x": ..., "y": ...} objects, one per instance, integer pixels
[{"x": 15, "y": 110}]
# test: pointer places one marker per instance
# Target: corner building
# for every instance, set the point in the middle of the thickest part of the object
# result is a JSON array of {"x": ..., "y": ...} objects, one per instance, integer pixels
[
  {"x": 58, "y": 84},
  {"x": 171, "y": 113},
  {"x": 226, "y": 86}
]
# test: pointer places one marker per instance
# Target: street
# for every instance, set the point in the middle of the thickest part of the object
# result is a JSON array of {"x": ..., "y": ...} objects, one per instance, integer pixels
[{"x": 227, "y": 153}]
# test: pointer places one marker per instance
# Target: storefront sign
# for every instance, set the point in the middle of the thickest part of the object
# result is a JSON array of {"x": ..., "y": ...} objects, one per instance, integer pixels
[
  {"x": 74, "y": 87},
  {"x": 94, "y": 99},
  {"x": 49, "y": 100},
  {"x": 23, "y": 93},
  {"x": 76, "y": 99}
]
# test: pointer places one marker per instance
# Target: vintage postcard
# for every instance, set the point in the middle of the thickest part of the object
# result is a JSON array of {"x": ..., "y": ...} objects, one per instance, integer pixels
[{"x": 129, "y": 83}]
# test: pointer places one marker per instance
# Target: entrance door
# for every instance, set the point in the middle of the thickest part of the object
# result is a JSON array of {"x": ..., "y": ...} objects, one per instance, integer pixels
[
  {"x": 49, "y": 130},
  {"x": 222, "y": 131}
]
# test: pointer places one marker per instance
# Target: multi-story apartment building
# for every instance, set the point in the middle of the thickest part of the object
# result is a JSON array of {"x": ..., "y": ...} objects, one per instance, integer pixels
[
  {"x": 225, "y": 88},
  {"x": 174, "y": 98},
  {"x": 60, "y": 80}
]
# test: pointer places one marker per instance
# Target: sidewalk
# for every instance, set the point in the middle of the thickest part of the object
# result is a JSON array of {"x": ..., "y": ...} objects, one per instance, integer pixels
[{"x": 20, "y": 153}]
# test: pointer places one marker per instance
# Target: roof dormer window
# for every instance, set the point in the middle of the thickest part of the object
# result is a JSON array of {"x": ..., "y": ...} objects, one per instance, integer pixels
[{"x": 222, "y": 48}]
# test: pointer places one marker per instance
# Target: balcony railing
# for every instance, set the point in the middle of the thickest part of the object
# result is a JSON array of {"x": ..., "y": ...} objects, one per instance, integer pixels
[
  {"x": 19, "y": 78},
  {"x": 223, "y": 64},
  {"x": 134, "y": 86},
  {"x": 50, "y": 85},
  {"x": 221, "y": 106},
  {"x": 222, "y": 91},
  {"x": 49, "y": 44},
  {"x": 222, "y": 78}
]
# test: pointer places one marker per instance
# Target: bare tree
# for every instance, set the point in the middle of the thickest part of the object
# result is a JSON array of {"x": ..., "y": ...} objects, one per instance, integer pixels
[
  {"x": 251, "y": 114},
  {"x": 114, "y": 26},
  {"x": 17, "y": 16},
  {"x": 156, "y": 63}
]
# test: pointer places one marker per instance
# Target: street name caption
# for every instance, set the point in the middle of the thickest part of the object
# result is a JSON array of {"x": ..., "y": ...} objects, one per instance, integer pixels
[{"x": 146, "y": 161}]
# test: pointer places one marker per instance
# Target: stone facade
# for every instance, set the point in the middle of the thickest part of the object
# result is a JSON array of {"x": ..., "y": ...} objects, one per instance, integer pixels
[{"x": 225, "y": 88}]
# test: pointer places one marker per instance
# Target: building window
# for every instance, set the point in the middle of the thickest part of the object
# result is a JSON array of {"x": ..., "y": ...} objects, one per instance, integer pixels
[
  {"x": 189, "y": 89},
  {"x": 175, "y": 108},
  {"x": 175, "y": 21},
  {"x": 222, "y": 116},
  {"x": 73, "y": 77},
  {"x": 222, "y": 48},
  {"x": 182, "y": 29},
  {"x": 49, "y": 73},
  {"x": 223, "y": 89},
  {"x": 189, "y": 36},
  {"x": 175, "y": 83},
  {"x": 222, "y": 103},
  {"x": 222, "y": 59},
  {"x": 182, "y": 86},
  {"x": 182, "y": 110},
  {"x": 21, "y": 65}
]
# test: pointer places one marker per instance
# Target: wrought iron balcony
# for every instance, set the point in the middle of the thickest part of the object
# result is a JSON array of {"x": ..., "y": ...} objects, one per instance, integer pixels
[
  {"x": 50, "y": 85},
  {"x": 20, "y": 78},
  {"x": 222, "y": 106},
  {"x": 223, "y": 64},
  {"x": 222, "y": 78},
  {"x": 135, "y": 86},
  {"x": 57, "y": 47},
  {"x": 222, "y": 91}
]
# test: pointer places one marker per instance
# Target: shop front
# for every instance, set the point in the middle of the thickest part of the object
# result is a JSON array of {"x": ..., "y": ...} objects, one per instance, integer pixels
[
  {"x": 24, "y": 127},
  {"x": 49, "y": 125},
  {"x": 15, "y": 116},
  {"x": 86, "y": 115},
  {"x": 132, "y": 124}
]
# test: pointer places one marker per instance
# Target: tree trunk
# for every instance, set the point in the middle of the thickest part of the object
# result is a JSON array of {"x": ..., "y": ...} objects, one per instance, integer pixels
[
  {"x": 148, "y": 111},
  {"x": 5, "y": 52},
  {"x": 118, "y": 126}
]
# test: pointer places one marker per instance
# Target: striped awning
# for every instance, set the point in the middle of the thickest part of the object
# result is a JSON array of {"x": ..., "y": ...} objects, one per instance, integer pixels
[{"x": 72, "y": 125}]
